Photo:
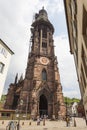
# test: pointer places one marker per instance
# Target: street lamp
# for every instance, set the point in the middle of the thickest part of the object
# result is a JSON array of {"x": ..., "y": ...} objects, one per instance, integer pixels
[
  {"x": 67, "y": 119},
  {"x": 26, "y": 106},
  {"x": 20, "y": 104},
  {"x": 74, "y": 118},
  {"x": 74, "y": 113}
]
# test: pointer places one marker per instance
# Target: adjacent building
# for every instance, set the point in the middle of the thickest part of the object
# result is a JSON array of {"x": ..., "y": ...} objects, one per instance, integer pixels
[
  {"x": 76, "y": 17},
  {"x": 40, "y": 92},
  {"x": 5, "y": 56}
]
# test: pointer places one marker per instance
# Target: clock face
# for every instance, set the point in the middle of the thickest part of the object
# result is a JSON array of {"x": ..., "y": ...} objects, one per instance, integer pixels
[{"x": 44, "y": 60}]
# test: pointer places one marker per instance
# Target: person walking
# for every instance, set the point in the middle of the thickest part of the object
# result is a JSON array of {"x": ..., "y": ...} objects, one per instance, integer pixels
[
  {"x": 18, "y": 126},
  {"x": 8, "y": 127}
]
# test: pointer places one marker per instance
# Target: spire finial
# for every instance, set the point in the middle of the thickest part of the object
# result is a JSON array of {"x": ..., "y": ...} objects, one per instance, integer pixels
[
  {"x": 21, "y": 78},
  {"x": 43, "y": 7},
  {"x": 16, "y": 78}
]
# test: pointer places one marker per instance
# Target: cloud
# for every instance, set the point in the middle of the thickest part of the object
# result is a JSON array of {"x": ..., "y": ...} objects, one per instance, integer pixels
[
  {"x": 66, "y": 66},
  {"x": 72, "y": 94},
  {"x": 55, "y": 7}
]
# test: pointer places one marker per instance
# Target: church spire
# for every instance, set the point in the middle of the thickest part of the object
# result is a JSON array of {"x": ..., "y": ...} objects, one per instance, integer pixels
[
  {"x": 16, "y": 79},
  {"x": 21, "y": 78},
  {"x": 41, "y": 85}
]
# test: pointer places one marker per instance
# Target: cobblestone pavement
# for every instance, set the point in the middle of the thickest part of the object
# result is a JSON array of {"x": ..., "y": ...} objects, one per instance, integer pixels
[{"x": 49, "y": 125}]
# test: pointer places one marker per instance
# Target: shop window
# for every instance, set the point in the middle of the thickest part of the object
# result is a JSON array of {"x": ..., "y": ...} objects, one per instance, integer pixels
[{"x": 5, "y": 114}]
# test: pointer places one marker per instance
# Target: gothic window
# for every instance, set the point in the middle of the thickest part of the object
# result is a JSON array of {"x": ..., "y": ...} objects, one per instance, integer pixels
[
  {"x": 44, "y": 32},
  {"x": 44, "y": 74},
  {"x": 44, "y": 44}
]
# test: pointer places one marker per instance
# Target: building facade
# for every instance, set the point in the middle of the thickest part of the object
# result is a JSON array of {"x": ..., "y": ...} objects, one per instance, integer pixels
[
  {"x": 5, "y": 56},
  {"x": 40, "y": 92},
  {"x": 76, "y": 17}
]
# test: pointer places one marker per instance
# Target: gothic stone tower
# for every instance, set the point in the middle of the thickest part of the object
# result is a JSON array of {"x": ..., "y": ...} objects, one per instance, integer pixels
[{"x": 41, "y": 90}]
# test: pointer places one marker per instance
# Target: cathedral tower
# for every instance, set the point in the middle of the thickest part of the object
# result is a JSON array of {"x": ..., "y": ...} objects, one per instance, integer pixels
[{"x": 41, "y": 90}]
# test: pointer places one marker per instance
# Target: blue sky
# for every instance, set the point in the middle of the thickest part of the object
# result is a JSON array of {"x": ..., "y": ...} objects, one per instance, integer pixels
[{"x": 15, "y": 21}]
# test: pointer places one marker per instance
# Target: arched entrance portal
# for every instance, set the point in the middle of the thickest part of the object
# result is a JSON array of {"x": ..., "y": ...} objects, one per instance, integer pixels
[{"x": 43, "y": 105}]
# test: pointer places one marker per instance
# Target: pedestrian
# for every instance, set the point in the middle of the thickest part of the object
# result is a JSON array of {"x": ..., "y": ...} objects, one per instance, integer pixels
[
  {"x": 86, "y": 121},
  {"x": 8, "y": 127},
  {"x": 67, "y": 121},
  {"x": 86, "y": 118},
  {"x": 38, "y": 120},
  {"x": 74, "y": 122},
  {"x": 12, "y": 125},
  {"x": 15, "y": 125},
  {"x": 18, "y": 126},
  {"x": 43, "y": 121}
]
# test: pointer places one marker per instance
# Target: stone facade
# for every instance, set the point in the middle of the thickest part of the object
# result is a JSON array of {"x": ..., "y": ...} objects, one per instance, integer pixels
[
  {"x": 40, "y": 91},
  {"x": 5, "y": 57},
  {"x": 76, "y": 17}
]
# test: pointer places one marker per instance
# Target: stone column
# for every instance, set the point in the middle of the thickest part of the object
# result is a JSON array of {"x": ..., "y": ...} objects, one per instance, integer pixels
[
  {"x": 34, "y": 110},
  {"x": 53, "y": 115},
  {"x": 50, "y": 110},
  {"x": 38, "y": 108},
  {"x": 40, "y": 40}
]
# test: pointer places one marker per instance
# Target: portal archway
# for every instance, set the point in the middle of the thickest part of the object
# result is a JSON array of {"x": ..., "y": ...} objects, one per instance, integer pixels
[
  {"x": 15, "y": 101},
  {"x": 43, "y": 105}
]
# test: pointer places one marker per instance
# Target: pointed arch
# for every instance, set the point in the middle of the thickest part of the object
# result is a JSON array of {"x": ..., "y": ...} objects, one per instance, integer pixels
[
  {"x": 43, "y": 105},
  {"x": 44, "y": 74}
]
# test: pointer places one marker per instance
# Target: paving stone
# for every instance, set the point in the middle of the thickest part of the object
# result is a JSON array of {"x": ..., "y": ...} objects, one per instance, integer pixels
[{"x": 49, "y": 125}]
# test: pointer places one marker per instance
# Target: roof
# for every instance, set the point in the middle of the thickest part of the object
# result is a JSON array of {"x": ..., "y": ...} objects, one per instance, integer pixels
[
  {"x": 7, "y": 110},
  {"x": 42, "y": 18},
  {"x": 7, "y": 47}
]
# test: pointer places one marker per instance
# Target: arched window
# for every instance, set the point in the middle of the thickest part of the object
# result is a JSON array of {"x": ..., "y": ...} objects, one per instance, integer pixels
[
  {"x": 44, "y": 74},
  {"x": 44, "y": 32}
]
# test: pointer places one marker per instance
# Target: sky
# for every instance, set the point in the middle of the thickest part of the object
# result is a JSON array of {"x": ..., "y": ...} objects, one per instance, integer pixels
[{"x": 16, "y": 17}]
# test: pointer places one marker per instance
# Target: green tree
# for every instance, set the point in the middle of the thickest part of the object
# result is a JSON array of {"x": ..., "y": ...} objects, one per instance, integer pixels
[{"x": 70, "y": 101}]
